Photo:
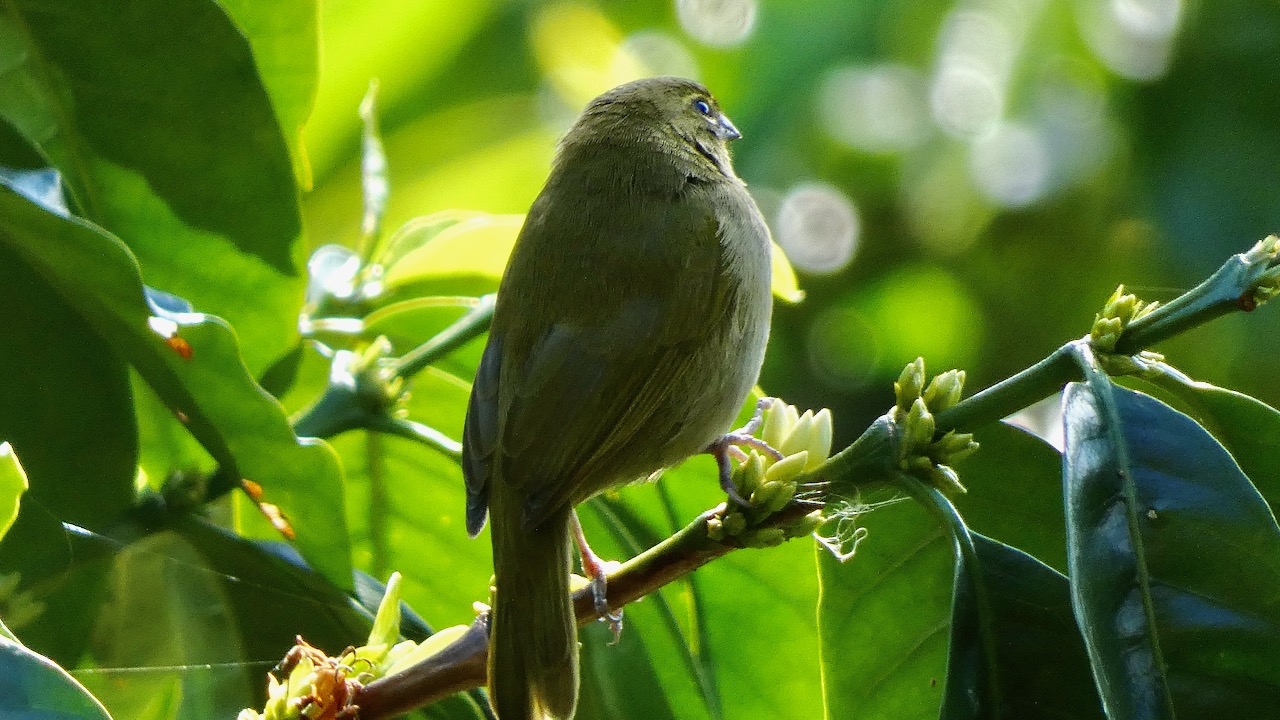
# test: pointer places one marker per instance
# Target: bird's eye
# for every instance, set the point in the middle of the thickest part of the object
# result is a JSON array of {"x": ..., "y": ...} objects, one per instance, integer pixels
[{"x": 702, "y": 106}]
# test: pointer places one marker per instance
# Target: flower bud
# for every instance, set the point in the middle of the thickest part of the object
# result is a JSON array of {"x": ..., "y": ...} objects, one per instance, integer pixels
[
  {"x": 788, "y": 467},
  {"x": 820, "y": 439},
  {"x": 715, "y": 529},
  {"x": 945, "y": 479},
  {"x": 806, "y": 524},
  {"x": 775, "y": 427},
  {"x": 734, "y": 523},
  {"x": 766, "y": 538},
  {"x": 919, "y": 427},
  {"x": 785, "y": 492},
  {"x": 798, "y": 438},
  {"x": 909, "y": 385},
  {"x": 944, "y": 390},
  {"x": 764, "y": 494},
  {"x": 747, "y": 476}
]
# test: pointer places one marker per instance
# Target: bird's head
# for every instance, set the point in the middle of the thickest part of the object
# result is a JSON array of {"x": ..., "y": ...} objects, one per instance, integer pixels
[{"x": 678, "y": 114}]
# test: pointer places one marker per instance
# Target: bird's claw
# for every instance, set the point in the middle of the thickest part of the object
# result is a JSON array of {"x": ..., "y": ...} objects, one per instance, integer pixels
[
  {"x": 600, "y": 597},
  {"x": 732, "y": 444}
]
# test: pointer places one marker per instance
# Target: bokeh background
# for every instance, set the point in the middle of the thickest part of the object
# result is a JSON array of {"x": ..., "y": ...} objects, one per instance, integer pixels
[{"x": 966, "y": 181}]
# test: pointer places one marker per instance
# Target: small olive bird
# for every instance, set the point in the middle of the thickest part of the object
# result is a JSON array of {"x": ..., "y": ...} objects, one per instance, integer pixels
[{"x": 630, "y": 327}]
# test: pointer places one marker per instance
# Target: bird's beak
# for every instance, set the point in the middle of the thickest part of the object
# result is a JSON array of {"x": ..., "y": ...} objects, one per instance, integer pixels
[{"x": 725, "y": 129}]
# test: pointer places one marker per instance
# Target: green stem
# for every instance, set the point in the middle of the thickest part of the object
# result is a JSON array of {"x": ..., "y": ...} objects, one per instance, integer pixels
[
  {"x": 1012, "y": 394},
  {"x": 1228, "y": 289},
  {"x": 467, "y": 328},
  {"x": 337, "y": 411},
  {"x": 419, "y": 433}
]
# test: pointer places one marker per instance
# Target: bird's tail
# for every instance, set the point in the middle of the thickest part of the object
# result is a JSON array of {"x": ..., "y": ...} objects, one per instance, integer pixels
[{"x": 533, "y": 641}]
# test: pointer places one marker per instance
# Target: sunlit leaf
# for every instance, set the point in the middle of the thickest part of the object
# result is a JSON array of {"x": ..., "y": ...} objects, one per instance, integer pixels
[
  {"x": 13, "y": 482},
  {"x": 285, "y": 39},
  {"x": 79, "y": 86},
  {"x": 877, "y": 660},
  {"x": 785, "y": 284},
  {"x": 478, "y": 245},
  {"x": 192, "y": 361},
  {"x": 415, "y": 42}
]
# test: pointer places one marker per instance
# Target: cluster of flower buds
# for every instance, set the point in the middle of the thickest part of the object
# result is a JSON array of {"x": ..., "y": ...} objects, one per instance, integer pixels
[
  {"x": 920, "y": 454},
  {"x": 1267, "y": 285},
  {"x": 1121, "y": 309},
  {"x": 769, "y": 483},
  {"x": 318, "y": 687}
]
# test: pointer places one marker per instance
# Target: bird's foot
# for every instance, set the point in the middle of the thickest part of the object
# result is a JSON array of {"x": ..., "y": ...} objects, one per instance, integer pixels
[
  {"x": 732, "y": 442},
  {"x": 595, "y": 569}
]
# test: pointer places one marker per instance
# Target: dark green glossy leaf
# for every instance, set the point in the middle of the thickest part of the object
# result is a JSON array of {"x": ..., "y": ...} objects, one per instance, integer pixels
[
  {"x": 192, "y": 360},
  {"x": 1015, "y": 492},
  {"x": 1174, "y": 561},
  {"x": 1040, "y": 664},
  {"x": 32, "y": 687},
  {"x": 64, "y": 396},
  {"x": 1247, "y": 427},
  {"x": 883, "y": 617}
]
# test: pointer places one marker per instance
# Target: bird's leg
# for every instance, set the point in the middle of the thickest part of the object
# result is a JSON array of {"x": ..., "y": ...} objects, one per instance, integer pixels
[
  {"x": 731, "y": 443},
  {"x": 594, "y": 568}
]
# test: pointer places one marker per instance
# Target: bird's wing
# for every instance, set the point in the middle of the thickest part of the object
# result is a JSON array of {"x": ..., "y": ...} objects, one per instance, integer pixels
[
  {"x": 587, "y": 395},
  {"x": 480, "y": 433}
]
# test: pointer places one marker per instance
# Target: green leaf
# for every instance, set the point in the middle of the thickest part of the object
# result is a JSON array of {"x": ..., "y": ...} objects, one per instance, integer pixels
[
  {"x": 65, "y": 403},
  {"x": 1174, "y": 561},
  {"x": 406, "y": 505},
  {"x": 416, "y": 42},
  {"x": 54, "y": 577},
  {"x": 155, "y": 115},
  {"x": 192, "y": 361},
  {"x": 13, "y": 482},
  {"x": 635, "y": 523},
  {"x": 883, "y": 617},
  {"x": 175, "y": 625},
  {"x": 620, "y": 682},
  {"x": 1247, "y": 427},
  {"x": 193, "y": 617},
  {"x": 285, "y": 39},
  {"x": 1015, "y": 492},
  {"x": 1026, "y": 607},
  {"x": 747, "y": 618},
  {"x": 165, "y": 90},
  {"x": 32, "y": 687}
]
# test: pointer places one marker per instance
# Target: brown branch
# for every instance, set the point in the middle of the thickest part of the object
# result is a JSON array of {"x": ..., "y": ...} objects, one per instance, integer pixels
[{"x": 462, "y": 665}]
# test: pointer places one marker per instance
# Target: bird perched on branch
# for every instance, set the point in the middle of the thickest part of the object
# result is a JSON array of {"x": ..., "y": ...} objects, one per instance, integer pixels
[{"x": 630, "y": 327}]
